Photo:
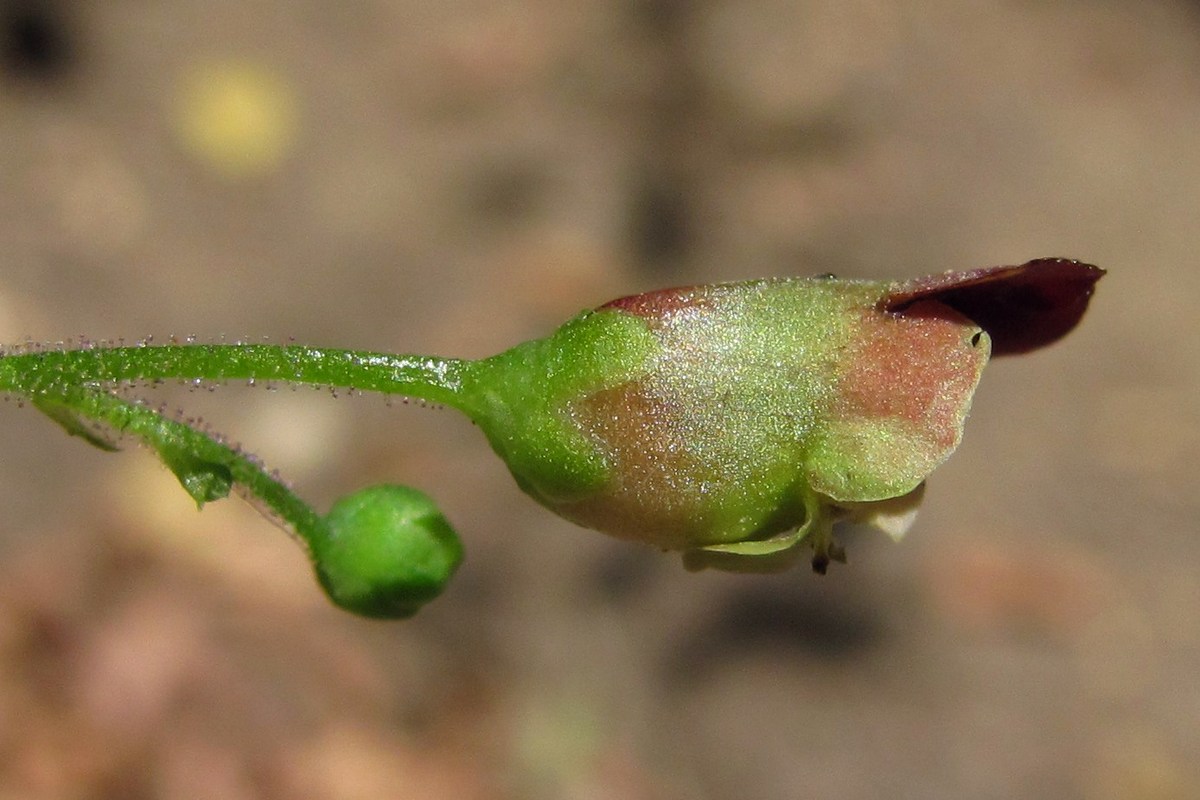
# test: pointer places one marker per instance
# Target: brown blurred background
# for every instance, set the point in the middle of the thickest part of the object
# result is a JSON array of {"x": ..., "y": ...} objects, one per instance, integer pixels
[{"x": 456, "y": 177}]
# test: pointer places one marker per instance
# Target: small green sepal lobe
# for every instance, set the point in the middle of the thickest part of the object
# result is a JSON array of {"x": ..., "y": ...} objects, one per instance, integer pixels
[
  {"x": 74, "y": 424},
  {"x": 201, "y": 478}
]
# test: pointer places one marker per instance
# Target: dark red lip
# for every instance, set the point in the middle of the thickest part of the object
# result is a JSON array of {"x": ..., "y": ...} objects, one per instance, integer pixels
[{"x": 1022, "y": 308}]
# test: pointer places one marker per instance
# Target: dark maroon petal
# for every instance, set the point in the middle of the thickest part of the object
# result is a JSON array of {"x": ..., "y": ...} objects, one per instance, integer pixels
[{"x": 1022, "y": 308}]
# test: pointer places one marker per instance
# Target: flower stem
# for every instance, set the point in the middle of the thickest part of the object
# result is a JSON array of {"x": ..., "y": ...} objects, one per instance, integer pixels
[
  {"x": 190, "y": 453},
  {"x": 438, "y": 380}
]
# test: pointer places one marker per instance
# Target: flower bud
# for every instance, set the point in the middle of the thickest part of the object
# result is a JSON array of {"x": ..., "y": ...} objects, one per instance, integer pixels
[
  {"x": 736, "y": 421},
  {"x": 385, "y": 551}
]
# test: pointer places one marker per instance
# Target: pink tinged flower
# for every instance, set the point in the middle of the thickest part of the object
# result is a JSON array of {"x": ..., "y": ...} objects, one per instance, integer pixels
[{"x": 746, "y": 419}]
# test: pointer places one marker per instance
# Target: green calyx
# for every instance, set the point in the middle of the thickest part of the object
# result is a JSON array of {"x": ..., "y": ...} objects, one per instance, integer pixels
[{"x": 523, "y": 397}]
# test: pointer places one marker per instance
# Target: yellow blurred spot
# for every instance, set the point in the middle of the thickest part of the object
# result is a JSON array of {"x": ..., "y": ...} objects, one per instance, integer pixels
[
  {"x": 558, "y": 744},
  {"x": 237, "y": 119},
  {"x": 1139, "y": 765}
]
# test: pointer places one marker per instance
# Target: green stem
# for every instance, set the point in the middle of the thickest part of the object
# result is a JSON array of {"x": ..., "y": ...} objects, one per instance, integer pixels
[
  {"x": 438, "y": 380},
  {"x": 205, "y": 466}
]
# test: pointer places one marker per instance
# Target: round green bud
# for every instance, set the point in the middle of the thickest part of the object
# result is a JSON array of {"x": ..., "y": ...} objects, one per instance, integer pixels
[{"x": 388, "y": 550}]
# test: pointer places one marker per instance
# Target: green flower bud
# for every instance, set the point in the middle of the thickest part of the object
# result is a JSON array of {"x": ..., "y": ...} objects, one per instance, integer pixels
[
  {"x": 736, "y": 421},
  {"x": 385, "y": 551}
]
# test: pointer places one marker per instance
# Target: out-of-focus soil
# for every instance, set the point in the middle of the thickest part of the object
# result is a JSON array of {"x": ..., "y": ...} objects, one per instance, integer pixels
[{"x": 453, "y": 178}]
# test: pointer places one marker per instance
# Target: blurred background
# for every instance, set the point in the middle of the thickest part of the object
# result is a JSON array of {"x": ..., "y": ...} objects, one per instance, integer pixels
[{"x": 453, "y": 178}]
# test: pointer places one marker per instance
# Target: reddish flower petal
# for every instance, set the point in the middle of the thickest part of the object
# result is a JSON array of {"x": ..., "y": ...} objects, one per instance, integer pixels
[{"x": 1022, "y": 308}]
